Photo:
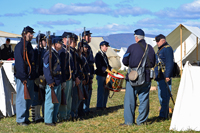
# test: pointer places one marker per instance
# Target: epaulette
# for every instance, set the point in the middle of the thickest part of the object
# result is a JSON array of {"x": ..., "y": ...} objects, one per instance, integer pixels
[{"x": 166, "y": 46}]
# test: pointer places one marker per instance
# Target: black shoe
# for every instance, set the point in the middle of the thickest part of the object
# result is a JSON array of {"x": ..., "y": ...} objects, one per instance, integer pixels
[
  {"x": 50, "y": 124},
  {"x": 22, "y": 123},
  {"x": 161, "y": 118},
  {"x": 105, "y": 108},
  {"x": 143, "y": 123},
  {"x": 123, "y": 124}
]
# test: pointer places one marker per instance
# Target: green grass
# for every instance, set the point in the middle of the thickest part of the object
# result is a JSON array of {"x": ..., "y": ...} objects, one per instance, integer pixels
[{"x": 106, "y": 121}]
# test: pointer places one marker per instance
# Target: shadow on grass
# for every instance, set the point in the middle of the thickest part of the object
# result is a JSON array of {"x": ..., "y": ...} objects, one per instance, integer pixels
[
  {"x": 156, "y": 119},
  {"x": 96, "y": 113}
]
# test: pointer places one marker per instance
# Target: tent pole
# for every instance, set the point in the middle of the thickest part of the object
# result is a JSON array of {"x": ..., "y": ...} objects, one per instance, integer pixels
[
  {"x": 181, "y": 46},
  {"x": 197, "y": 49},
  {"x": 184, "y": 48}
]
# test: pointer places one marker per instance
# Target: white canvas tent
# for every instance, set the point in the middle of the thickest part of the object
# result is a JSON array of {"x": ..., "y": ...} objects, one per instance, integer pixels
[
  {"x": 121, "y": 54},
  {"x": 186, "y": 111},
  {"x": 7, "y": 89},
  {"x": 113, "y": 57}
]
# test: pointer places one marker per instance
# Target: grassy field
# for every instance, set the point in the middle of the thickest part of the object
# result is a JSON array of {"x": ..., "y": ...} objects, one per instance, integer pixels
[{"x": 106, "y": 121}]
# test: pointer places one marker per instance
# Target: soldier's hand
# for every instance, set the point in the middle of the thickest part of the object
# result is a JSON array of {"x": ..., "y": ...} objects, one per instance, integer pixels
[
  {"x": 51, "y": 85},
  {"x": 167, "y": 79},
  {"x": 24, "y": 82},
  {"x": 84, "y": 82},
  {"x": 63, "y": 85},
  {"x": 77, "y": 81}
]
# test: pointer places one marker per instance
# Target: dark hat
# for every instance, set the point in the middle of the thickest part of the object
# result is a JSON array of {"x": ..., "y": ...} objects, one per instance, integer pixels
[
  {"x": 28, "y": 29},
  {"x": 8, "y": 39},
  {"x": 57, "y": 39},
  {"x": 158, "y": 37},
  {"x": 84, "y": 43},
  {"x": 74, "y": 36},
  {"x": 66, "y": 34},
  {"x": 139, "y": 32},
  {"x": 104, "y": 43},
  {"x": 86, "y": 33},
  {"x": 42, "y": 37}
]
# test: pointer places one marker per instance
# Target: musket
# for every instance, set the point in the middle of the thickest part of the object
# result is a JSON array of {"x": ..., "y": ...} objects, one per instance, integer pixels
[
  {"x": 49, "y": 42},
  {"x": 26, "y": 92},
  {"x": 162, "y": 69},
  {"x": 38, "y": 67},
  {"x": 80, "y": 94},
  {"x": 69, "y": 55}
]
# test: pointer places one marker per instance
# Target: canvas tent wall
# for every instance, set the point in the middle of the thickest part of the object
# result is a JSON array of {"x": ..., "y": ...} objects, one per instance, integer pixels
[
  {"x": 186, "y": 111},
  {"x": 121, "y": 54},
  {"x": 7, "y": 89},
  {"x": 113, "y": 57}
]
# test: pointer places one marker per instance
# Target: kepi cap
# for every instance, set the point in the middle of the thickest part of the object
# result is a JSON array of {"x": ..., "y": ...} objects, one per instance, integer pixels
[
  {"x": 158, "y": 37},
  {"x": 28, "y": 29},
  {"x": 66, "y": 34},
  {"x": 139, "y": 32},
  {"x": 104, "y": 43},
  {"x": 86, "y": 33},
  {"x": 42, "y": 37},
  {"x": 57, "y": 39}
]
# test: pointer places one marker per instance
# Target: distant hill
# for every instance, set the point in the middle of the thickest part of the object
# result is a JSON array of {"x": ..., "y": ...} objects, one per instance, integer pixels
[{"x": 122, "y": 39}]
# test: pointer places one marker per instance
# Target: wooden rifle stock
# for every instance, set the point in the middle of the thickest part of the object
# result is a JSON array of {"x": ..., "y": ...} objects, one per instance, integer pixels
[
  {"x": 53, "y": 95},
  {"x": 26, "y": 92},
  {"x": 63, "y": 98},
  {"x": 80, "y": 94},
  {"x": 85, "y": 93}
]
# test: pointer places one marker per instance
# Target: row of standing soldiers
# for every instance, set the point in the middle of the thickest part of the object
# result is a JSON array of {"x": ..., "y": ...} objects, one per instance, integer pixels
[{"x": 63, "y": 67}]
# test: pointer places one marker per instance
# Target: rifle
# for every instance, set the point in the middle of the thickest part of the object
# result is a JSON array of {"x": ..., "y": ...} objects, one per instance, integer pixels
[
  {"x": 162, "y": 69},
  {"x": 49, "y": 42},
  {"x": 68, "y": 51},
  {"x": 26, "y": 92},
  {"x": 80, "y": 94},
  {"x": 38, "y": 67}
]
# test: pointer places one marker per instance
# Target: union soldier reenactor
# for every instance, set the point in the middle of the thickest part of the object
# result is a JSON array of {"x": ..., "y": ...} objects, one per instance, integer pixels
[
  {"x": 67, "y": 76},
  {"x": 39, "y": 93},
  {"x": 52, "y": 72},
  {"x": 25, "y": 75},
  {"x": 88, "y": 53},
  {"x": 103, "y": 68}
]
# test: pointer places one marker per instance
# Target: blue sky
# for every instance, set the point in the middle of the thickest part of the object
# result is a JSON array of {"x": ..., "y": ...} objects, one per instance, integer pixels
[{"x": 101, "y": 17}]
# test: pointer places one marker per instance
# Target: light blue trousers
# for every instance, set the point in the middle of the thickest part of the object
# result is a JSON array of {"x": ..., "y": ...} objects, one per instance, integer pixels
[
  {"x": 22, "y": 105},
  {"x": 130, "y": 103},
  {"x": 164, "y": 97},
  {"x": 50, "y": 109}
]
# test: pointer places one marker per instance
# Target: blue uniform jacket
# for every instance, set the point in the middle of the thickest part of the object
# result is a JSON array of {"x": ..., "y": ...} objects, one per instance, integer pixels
[
  {"x": 134, "y": 54},
  {"x": 77, "y": 63},
  {"x": 39, "y": 65},
  {"x": 21, "y": 71},
  {"x": 101, "y": 64},
  {"x": 48, "y": 76},
  {"x": 90, "y": 61},
  {"x": 165, "y": 53},
  {"x": 65, "y": 63}
]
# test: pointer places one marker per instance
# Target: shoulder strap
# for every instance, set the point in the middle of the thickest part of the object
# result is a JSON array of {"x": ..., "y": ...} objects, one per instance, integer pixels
[
  {"x": 144, "y": 56},
  {"x": 149, "y": 64}
]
